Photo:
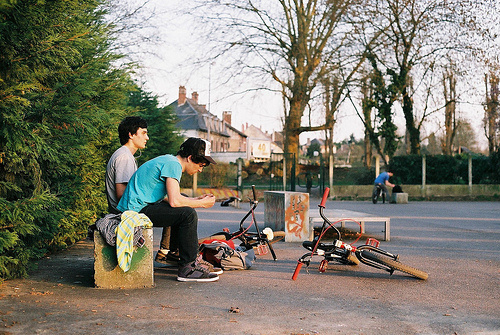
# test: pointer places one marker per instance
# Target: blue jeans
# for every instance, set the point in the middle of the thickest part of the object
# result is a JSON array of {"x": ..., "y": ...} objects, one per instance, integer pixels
[{"x": 184, "y": 223}]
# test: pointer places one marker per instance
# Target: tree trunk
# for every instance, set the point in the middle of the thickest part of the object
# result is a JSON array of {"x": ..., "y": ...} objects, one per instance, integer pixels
[
  {"x": 449, "y": 112},
  {"x": 292, "y": 127},
  {"x": 367, "y": 114},
  {"x": 491, "y": 119},
  {"x": 413, "y": 131}
]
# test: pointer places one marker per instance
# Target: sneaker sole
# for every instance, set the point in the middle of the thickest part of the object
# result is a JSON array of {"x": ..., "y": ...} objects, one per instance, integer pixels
[
  {"x": 199, "y": 280},
  {"x": 217, "y": 272}
]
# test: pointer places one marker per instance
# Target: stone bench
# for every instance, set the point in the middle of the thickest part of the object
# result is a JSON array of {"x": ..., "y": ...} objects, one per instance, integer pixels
[
  {"x": 107, "y": 273},
  {"x": 318, "y": 222}
]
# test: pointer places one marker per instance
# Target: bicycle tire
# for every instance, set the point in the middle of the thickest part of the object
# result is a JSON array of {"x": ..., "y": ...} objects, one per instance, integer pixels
[
  {"x": 375, "y": 196},
  {"x": 395, "y": 265},
  {"x": 352, "y": 260}
]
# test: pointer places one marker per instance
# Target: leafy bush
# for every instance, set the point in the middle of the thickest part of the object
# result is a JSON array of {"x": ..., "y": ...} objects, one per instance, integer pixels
[
  {"x": 407, "y": 169},
  {"x": 441, "y": 169},
  {"x": 495, "y": 167},
  {"x": 352, "y": 176}
]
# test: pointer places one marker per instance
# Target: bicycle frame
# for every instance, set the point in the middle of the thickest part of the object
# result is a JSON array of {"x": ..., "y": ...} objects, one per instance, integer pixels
[{"x": 251, "y": 239}]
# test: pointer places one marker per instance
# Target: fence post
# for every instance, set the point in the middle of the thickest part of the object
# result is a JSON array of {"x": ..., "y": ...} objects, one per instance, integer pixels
[
  {"x": 424, "y": 191},
  {"x": 239, "y": 188},
  {"x": 470, "y": 174},
  {"x": 284, "y": 171},
  {"x": 330, "y": 175}
]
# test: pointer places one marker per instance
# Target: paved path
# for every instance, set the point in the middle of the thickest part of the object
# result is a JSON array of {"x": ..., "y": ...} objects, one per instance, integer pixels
[{"x": 457, "y": 243}]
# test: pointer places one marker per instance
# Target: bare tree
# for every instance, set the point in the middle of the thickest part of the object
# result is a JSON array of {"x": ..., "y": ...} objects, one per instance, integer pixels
[
  {"x": 297, "y": 44},
  {"x": 136, "y": 30},
  {"x": 492, "y": 114},
  {"x": 332, "y": 96},
  {"x": 450, "y": 120},
  {"x": 367, "y": 120},
  {"x": 420, "y": 34}
]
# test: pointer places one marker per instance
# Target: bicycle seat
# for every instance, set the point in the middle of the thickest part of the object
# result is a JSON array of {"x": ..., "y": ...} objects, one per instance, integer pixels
[{"x": 309, "y": 245}]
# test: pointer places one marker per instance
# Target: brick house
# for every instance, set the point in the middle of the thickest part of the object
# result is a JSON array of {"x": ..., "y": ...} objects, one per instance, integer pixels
[{"x": 195, "y": 120}]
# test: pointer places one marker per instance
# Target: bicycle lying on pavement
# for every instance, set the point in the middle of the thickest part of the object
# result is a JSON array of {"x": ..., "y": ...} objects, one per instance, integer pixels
[
  {"x": 348, "y": 254},
  {"x": 259, "y": 240}
]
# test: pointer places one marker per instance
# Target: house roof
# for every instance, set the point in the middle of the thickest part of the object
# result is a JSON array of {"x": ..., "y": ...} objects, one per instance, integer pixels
[
  {"x": 242, "y": 134},
  {"x": 257, "y": 133},
  {"x": 193, "y": 116}
]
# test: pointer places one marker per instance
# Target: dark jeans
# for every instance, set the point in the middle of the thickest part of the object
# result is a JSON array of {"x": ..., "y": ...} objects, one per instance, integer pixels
[
  {"x": 385, "y": 193},
  {"x": 184, "y": 223}
]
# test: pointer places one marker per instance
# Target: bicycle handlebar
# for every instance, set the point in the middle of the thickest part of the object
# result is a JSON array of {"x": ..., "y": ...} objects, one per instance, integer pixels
[
  {"x": 325, "y": 197},
  {"x": 297, "y": 270}
]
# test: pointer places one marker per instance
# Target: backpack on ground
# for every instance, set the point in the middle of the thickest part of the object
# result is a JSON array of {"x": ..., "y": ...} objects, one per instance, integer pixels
[{"x": 220, "y": 254}]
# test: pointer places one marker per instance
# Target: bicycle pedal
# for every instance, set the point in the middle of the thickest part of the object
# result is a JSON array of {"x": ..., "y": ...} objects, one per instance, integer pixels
[
  {"x": 323, "y": 265},
  {"x": 373, "y": 242},
  {"x": 261, "y": 249}
]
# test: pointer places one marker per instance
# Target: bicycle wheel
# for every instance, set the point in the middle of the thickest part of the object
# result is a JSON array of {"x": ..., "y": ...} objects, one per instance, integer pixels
[
  {"x": 375, "y": 196},
  {"x": 395, "y": 265},
  {"x": 352, "y": 260}
]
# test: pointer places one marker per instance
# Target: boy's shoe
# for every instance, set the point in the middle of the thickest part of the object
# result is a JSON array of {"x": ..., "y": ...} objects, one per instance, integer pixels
[
  {"x": 194, "y": 272},
  {"x": 213, "y": 269},
  {"x": 168, "y": 259}
]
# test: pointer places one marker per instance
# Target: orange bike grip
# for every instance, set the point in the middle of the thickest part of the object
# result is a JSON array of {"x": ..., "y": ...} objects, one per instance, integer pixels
[
  {"x": 325, "y": 197},
  {"x": 297, "y": 270}
]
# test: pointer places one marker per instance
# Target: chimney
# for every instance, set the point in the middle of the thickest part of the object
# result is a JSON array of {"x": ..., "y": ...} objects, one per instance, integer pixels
[
  {"x": 195, "y": 97},
  {"x": 182, "y": 96},
  {"x": 226, "y": 116}
]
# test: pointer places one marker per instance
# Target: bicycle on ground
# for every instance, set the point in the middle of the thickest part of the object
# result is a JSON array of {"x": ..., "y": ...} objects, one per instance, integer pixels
[
  {"x": 260, "y": 240},
  {"x": 348, "y": 254}
]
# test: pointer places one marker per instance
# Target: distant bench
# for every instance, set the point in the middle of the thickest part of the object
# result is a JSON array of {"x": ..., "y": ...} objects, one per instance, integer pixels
[{"x": 317, "y": 222}]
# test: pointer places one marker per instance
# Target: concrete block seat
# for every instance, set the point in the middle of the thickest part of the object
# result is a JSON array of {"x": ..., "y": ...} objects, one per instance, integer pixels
[
  {"x": 399, "y": 198},
  {"x": 107, "y": 273}
]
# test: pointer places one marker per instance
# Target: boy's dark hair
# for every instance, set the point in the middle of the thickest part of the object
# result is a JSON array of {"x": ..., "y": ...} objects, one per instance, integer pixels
[
  {"x": 129, "y": 125},
  {"x": 197, "y": 149}
]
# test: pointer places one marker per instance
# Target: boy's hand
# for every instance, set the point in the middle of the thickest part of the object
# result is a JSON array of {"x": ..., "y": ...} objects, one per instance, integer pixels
[{"x": 208, "y": 200}]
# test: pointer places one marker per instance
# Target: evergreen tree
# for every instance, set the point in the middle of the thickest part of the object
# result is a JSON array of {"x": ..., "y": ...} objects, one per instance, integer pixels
[
  {"x": 59, "y": 97},
  {"x": 163, "y": 133}
]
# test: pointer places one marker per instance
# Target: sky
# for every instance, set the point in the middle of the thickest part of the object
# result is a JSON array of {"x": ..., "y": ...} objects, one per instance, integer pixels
[
  {"x": 168, "y": 66},
  {"x": 163, "y": 73}
]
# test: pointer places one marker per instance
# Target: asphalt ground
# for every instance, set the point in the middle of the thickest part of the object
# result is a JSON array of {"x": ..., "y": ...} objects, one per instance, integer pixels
[{"x": 457, "y": 243}]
